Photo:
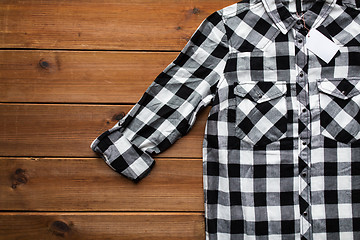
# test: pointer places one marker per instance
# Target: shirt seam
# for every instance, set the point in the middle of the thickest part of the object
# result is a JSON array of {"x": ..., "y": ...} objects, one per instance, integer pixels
[{"x": 222, "y": 76}]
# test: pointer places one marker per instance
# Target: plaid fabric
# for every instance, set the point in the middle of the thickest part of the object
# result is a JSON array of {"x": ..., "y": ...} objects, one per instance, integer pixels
[{"x": 281, "y": 152}]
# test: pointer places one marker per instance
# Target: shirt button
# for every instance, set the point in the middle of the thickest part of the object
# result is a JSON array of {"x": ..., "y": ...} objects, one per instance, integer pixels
[
  {"x": 304, "y": 143},
  {"x": 300, "y": 41},
  {"x": 304, "y": 110},
  {"x": 298, "y": 22},
  {"x": 303, "y": 174},
  {"x": 305, "y": 214},
  {"x": 301, "y": 74}
]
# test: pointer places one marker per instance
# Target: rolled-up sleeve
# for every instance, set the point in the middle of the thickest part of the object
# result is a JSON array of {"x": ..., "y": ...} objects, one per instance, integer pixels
[{"x": 168, "y": 108}]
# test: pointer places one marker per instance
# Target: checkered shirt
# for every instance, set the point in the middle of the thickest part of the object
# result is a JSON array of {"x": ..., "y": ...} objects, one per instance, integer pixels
[{"x": 281, "y": 152}]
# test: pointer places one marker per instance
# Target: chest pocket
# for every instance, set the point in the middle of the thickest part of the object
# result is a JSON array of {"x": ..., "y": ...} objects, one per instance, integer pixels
[
  {"x": 339, "y": 109},
  {"x": 261, "y": 111}
]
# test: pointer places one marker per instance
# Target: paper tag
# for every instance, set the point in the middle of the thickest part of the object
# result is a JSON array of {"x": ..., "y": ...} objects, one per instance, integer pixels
[{"x": 321, "y": 46}]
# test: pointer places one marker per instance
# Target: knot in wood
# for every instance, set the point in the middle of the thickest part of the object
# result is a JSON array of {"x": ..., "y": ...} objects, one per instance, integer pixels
[
  {"x": 59, "y": 228},
  {"x": 119, "y": 116},
  {"x": 22, "y": 179},
  {"x": 19, "y": 171},
  {"x": 196, "y": 10},
  {"x": 44, "y": 64},
  {"x": 19, "y": 177}
]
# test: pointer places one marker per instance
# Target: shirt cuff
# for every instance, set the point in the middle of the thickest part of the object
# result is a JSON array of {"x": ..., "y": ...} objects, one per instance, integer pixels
[{"x": 123, "y": 156}]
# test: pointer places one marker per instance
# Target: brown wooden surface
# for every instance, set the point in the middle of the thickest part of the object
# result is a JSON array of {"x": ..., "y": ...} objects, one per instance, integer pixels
[
  {"x": 78, "y": 76},
  {"x": 68, "y": 130},
  {"x": 88, "y": 184},
  {"x": 68, "y": 71},
  {"x": 94, "y": 24},
  {"x": 102, "y": 226}
]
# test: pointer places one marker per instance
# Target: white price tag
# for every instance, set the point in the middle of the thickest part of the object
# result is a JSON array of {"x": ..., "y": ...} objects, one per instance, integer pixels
[{"x": 320, "y": 45}]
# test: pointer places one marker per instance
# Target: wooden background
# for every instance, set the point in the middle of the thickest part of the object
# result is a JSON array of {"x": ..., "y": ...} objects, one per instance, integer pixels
[{"x": 68, "y": 71}]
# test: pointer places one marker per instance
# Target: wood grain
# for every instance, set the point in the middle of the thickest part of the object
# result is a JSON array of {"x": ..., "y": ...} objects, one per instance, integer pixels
[
  {"x": 78, "y": 76},
  {"x": 88, "y": 184},
  {"x": 111, "y": 25},
  {"x": 102, "y": 226},
  {"x": 67, "y": 130},
  {"x": 68, "y": 71}
]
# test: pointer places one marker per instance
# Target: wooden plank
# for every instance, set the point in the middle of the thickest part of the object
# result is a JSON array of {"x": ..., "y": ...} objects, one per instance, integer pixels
[
  {"x": 88, "y": 184},
  {"x": 101, "y": 226},
  {"x": 67, "y": 130},
  {"x": 91, "y": 24},
  {"x": 78, "y": 76}
]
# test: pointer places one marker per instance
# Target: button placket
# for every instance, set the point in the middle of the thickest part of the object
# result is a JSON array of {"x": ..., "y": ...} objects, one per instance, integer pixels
[{"x": 304, "y": 131}]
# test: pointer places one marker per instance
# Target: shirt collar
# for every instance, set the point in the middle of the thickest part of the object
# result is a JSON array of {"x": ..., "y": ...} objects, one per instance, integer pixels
[{"x": 285, "y": 17}]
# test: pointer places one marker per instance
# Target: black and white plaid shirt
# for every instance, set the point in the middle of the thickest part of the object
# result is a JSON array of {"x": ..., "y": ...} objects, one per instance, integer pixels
[{"x": 281, "y": 153}]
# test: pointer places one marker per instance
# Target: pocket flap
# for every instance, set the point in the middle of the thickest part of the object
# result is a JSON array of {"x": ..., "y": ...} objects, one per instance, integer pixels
[
  {"x": 260, "y": 91},
  {"x": 343, "y": 88}
]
